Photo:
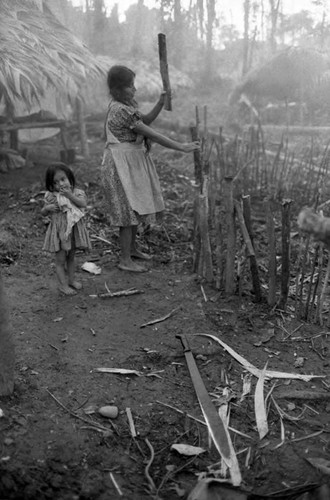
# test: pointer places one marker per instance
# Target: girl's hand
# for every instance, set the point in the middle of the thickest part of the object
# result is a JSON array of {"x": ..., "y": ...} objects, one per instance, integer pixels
[
  {"x": 66, "y": 191},
  {"x": 52, "y": 207},
  {"x": 190, "y": 147}
]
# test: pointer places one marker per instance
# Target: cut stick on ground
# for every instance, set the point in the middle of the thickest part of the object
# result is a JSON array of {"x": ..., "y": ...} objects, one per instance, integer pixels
[
  {"x": 125, "y": 371},
  {"x": 131, "y": 422},
  {"x": 259, "y": 406},
  {"x": 163, "y": 318},
  {"x": 255, "y": 371},
  {"x": 120, "y": 293},
  {"x": 201, "y": 421},
  {"x": 297, "y": 394},
  {"x": 115, "y": 484},
  {"x": 101, "y": 239}
]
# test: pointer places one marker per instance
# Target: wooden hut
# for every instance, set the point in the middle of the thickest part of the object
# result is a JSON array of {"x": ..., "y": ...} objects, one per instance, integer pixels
[
  {"x": 288, "y": 76},
  {"x": 39, "y": 54}
]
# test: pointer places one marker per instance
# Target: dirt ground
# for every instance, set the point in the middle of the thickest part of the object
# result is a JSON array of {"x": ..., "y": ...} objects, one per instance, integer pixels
[{"x": 53, "y": 442}]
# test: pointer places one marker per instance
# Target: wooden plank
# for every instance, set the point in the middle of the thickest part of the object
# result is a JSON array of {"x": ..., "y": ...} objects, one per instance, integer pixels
[{"x": 17, "y": 126}]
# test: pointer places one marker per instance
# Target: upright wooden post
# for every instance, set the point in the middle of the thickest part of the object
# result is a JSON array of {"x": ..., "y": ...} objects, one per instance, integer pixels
[
  {"x": 285, "y": 276},
  {"x": 82, "y": 127},
  {"x": 230, "y": 284},
  {"x": 205, "y": 266},
  {"x": 272, "y": 255},
  {"x": 7, "y": 356}
]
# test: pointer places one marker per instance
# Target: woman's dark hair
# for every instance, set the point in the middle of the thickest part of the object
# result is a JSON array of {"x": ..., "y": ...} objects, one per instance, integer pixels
[
  {"x": 51, "y": 171},
  {"x": 119, "y": 78}
]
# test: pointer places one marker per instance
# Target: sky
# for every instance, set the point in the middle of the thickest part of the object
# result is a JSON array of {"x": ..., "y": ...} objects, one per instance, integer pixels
[{"x": 231, "y": 10}]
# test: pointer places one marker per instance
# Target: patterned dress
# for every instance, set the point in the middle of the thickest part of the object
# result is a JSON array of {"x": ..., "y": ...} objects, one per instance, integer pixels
[
  {"x": 56, "y": 238},
  {"x": 128, "y": 174}
]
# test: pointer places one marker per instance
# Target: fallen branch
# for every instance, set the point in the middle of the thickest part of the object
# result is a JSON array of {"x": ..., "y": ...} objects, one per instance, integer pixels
[
  {"x": 296, "y": 394},
  {"x": 152, "y": 485},
  {"x": 163, "y": 318},
  {"x": 89, "y": 422}
]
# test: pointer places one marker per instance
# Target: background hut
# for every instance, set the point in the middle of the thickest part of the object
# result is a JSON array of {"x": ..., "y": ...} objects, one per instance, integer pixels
[
  {"x": 291, "y": 76},
  {"x": 39, "y": 58}
]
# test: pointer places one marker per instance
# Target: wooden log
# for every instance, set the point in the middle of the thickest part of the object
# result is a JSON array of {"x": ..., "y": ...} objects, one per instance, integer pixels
[
  {"x": 164, "y": 70},
  {"x": 7, "y": 354},
  {"x": 285, "y": 275},
  {"x": 272, "y": 255}
]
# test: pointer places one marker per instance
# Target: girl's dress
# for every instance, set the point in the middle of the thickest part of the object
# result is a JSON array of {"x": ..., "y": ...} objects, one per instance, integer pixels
[
  {"x": 66, "y": 230},
  {"x": 128, "y": 174}
]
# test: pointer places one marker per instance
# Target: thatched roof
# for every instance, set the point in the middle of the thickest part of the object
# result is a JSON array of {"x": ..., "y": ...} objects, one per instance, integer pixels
[
  {"x": 285, "y": 76},
  {"x": 37, "y": 51}
]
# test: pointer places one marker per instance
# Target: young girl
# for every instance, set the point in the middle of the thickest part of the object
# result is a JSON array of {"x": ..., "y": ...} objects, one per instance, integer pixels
[{"x": 66, "y": 231}]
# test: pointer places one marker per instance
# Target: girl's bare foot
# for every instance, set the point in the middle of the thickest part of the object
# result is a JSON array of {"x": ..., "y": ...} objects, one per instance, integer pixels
[
  {"x": 140, "y": 255},
  {"x": 130, "y": 265},
  {"x": 76, "y": 285},
  {"x": 66, "y": 290}
]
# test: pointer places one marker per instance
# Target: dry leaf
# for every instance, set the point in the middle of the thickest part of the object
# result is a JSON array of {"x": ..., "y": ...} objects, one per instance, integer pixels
[
  {"x": 259, "y": 406},
  {"x": 320, "y": 463},
  {"x": 255, "y": 371},
  {"x": 187, "y": 449}
]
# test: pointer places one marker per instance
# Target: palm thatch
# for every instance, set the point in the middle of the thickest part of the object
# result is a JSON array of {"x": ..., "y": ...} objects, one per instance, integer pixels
[
  {"x": 286, "y": 76},
  {"x": 36, "y": 52}
]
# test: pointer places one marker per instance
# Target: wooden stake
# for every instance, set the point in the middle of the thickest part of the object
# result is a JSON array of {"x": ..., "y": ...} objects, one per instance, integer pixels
[
  {"x": 205, "y": 266},
  {"x": 230, "y": 284},
  {"x": 272, "y": 255},
  {"x": 285, "y": 276},
  {"x": 250, "y": 252}
]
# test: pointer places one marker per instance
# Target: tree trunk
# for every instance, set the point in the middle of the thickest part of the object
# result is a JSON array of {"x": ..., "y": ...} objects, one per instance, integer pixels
[{"x": 246, "y": 36}]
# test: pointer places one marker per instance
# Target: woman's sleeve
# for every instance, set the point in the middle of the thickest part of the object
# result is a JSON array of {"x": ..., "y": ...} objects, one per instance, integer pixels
[{"x": 128, "y": 117}]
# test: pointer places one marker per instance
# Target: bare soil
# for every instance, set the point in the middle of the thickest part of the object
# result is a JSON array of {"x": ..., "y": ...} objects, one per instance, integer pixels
[{"x": 50, "y": 447}]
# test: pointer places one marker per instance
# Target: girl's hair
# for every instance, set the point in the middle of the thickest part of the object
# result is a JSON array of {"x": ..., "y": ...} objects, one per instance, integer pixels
[
  {"x": 119, "y": 78},
  {"x": 51, "y": 171}
]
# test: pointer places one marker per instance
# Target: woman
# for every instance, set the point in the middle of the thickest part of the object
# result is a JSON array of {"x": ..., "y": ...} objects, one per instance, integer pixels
[{"x": 128, "y": 174}]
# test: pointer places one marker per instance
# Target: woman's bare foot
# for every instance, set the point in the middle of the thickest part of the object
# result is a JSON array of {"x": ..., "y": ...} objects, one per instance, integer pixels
[
  {"x": 130, "y": 265},
  {"x": 137, "y": 254},
  {"x": 76, "y": 285},
  {"x": 66, "y": 290}
]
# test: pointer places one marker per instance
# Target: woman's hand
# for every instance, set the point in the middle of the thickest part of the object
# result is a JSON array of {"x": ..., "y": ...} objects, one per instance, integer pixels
[{"x": 190, "y": 147}]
